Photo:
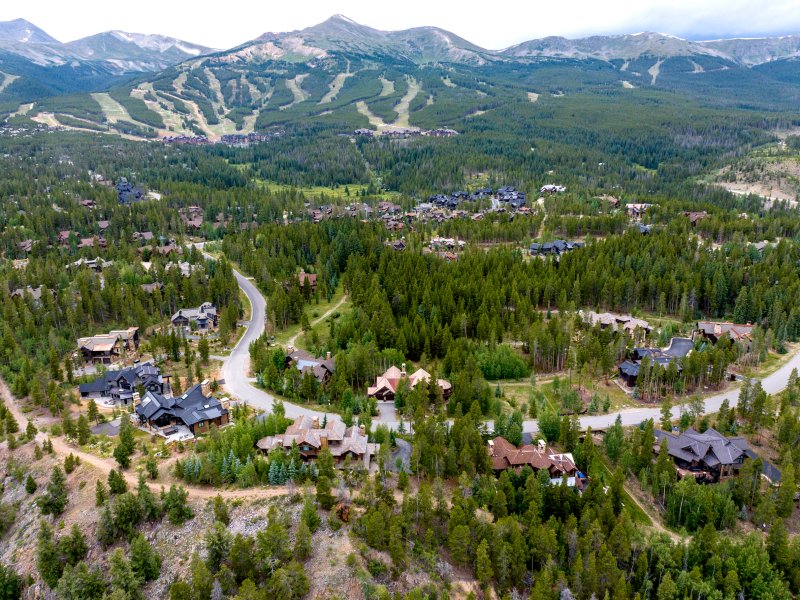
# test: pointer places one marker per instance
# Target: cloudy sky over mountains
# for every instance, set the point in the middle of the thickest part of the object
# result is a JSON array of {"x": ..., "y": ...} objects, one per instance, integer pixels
[{"x": 493, "y": 25}]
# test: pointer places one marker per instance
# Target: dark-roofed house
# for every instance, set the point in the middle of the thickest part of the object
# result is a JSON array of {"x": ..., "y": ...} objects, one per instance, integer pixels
[
  {"x": 152, "y": 287},
  {"x": 120, "y": 386},
  {"x": 678, "y": 348},
  {"x": 34, "y": 293},
  {"x": 204, "y": 316},
  {"x": 708, "y": 456},
  {"x": 305, "y": 362},
  {"x": 342, "y": 441},
  {"x": 194, "y": 409}
]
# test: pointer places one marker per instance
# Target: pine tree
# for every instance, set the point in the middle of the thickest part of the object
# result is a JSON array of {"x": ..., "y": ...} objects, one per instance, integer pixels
[
  {"x": 784, "y": 502},
  {"x": 324, "y": 496},
  {"x": 483, "y": 564},
  {"x": 54, "y": 500},
  {"x": 116, "y": 482},
  {"x": 48, "y": 561},
  {"x": 84, "y": 433},
  {"x": 73, "y": 546},
  {"x": 123, "y": 577},
  {"x": 666, "y": 414},
  {"x": 221, "y": 510},
  {"x": 30, "y": 484},
  {"x": 100, "y": 493},
  {"x": 309, "y": 514},
  {"x": 302, "y": 542},
  {"x": 92, "y": 412},
  {"x": 106, "y": 529},
  {"x": 218, "y": 544},
  {"x": 126, "y": 445}
]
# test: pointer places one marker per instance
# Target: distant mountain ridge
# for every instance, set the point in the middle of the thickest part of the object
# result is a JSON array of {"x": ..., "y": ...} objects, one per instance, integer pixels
[
  {"x": 116, "y": 51},
  {"x": 347, "y": 76}
]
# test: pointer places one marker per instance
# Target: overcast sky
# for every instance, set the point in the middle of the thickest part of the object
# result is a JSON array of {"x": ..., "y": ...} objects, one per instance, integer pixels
[{"x": 496, "y": 24}]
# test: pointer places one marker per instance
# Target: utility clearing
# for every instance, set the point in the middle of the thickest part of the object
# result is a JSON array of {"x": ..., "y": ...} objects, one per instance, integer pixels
[{"x": 628, "y": 85}]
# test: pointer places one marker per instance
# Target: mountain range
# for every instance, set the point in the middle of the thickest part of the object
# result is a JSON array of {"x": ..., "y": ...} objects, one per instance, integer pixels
[{"x": 372, "y": 77}]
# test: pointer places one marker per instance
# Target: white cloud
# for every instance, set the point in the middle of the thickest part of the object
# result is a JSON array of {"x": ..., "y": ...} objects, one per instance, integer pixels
[{"x": 493, "y": 25}]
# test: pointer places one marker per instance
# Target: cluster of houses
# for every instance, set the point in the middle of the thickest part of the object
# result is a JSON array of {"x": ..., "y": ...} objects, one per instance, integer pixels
[
  {"x": 109, "y": 347},
  {"x": 96, "y": 264},
  {"x": 540, "y": 457},
  {"x": 310, "y": 438},
  {"x": 636, "y": 328},
  {"x": 191, "y": 217},
  {"x": 238, "y": 140},
  {"x": 405, "y": 132},
  {"x": 506, "y": 194},
  {"x": 709, "y": 331},
  {"x": 556, "y": 247}
]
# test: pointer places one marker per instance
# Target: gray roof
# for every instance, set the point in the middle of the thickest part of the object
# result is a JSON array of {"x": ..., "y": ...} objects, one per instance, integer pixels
[
  {"x": 710, "y": 448},
  {"x": 191, "y": 408}
]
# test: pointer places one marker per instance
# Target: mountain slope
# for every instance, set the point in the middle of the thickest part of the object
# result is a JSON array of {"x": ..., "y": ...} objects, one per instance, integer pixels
[
  {"x": 21, "y": 31},
  {"x": 756, "y": 51},
  {"x": 134, "y": 52}
]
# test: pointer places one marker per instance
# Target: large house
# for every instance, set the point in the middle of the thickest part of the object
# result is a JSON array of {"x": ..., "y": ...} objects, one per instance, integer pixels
[
  {"x": 196, "y": 409},
  {"x": 678, "y": 348},
  {"x": 710, "y": 455},
  {"x": 311, "y": 278},
  {"x": 616, "y": 322},
  {"x": 342, "y": 441},
  {"x": 108, "y": 347},
  {"x": 120, "y": 386},
  {"x": 204, "y": 316},
  {"x": 714, "y": 331},
  {"x": 505, "y": 455},
  {"x": 305, "y": 362},
  {"x": 386, "y": 386}
]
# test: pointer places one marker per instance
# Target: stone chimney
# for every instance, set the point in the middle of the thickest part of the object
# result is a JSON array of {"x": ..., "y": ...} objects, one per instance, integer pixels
[
  {"x": 315, "y": 423},
  {"x": 205, "y": 388},
  {"x": 362, "y": 430},
  {"x": 323, "y": 441},
  {"x": 403, "y": 370},
  {"x": 327, "y": 356}
]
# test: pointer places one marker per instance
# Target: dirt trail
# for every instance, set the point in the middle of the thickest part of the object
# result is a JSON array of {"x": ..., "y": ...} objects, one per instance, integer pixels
[
  {"x": 105, "y": 465},
  {"x": 318, "y": 320}
]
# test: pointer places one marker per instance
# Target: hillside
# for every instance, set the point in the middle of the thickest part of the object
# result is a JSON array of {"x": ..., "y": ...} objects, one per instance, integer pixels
[{"x": 343, "y": 75}]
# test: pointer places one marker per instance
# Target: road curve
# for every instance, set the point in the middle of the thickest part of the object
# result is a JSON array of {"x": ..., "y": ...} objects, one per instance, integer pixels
[{"x": 236, "y": 368}]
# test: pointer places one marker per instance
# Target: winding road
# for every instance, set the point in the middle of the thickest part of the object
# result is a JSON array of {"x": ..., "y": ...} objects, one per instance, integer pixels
[{"x": 237, "y": 382}]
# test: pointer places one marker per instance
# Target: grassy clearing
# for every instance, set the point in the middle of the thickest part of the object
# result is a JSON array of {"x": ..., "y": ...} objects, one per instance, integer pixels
[
  {"x": 314, "y": 311},
  {"x": 516, "y": 393},
  {"x": 773, "y": 362},
  {"x": 388, "y": 87},
  {"x": 339, "y": 191},
  {"x": 113, "y": 110}
]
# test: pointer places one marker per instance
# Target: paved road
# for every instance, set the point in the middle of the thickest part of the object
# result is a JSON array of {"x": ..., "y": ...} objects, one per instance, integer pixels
[
  {"x": 236, "y": 367},
  {"x": 237, "y": 382}
]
